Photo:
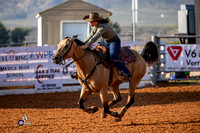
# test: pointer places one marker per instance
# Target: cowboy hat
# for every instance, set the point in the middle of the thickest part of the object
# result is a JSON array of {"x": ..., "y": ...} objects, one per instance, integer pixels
[{"x": 92, "y": 17}]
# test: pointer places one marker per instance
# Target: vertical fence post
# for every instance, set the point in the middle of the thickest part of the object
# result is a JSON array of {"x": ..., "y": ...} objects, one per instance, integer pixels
[{"x": 154, "y": 39}]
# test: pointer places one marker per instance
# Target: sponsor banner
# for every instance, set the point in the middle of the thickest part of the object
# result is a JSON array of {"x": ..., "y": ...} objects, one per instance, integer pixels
[
  {"x": 42, "y": 54},
  {"x": 18, "y": 65},
  {"x": 14, "y": 67},
  {"x": 16, "y": 75},
  {"x": 48, "y": 78},
  {"x": 182, "y": 57},
  {"x": 13, "y": 55}
]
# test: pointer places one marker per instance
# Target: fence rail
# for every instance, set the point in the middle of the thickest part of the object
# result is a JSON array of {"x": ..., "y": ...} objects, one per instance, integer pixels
[{"x": 20, "y": 66}]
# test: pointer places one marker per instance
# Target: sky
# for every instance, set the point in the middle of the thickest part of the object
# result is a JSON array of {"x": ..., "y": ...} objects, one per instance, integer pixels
[{"x": 22, "y": 12}]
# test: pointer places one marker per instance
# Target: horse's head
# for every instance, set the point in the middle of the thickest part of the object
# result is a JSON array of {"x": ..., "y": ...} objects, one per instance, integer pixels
[{"x": 65, "y": 49}]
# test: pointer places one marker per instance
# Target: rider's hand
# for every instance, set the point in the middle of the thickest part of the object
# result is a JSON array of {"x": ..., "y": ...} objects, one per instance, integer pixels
[{"x": 84, "y": 46}]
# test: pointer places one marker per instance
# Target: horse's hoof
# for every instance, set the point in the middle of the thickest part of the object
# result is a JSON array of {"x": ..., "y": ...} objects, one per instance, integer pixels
[
  {"x": 94, "y": 109},
  {"x": 115, "y": 114},
  {"x": 118, "y": 119}
]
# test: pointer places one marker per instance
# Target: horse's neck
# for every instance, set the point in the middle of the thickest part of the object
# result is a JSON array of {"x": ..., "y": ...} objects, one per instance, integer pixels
[{"x": 85, "y": 64}]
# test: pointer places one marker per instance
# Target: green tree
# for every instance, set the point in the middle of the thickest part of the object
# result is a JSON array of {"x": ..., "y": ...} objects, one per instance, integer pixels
[
  {"x": 4, "y": 34},
  {"x": 18, "y": 34},
  {"x": 116, "y": 27}
]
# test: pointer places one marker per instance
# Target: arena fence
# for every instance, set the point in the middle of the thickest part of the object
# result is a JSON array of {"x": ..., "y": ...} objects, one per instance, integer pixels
[
  {"x": 31, "y": 70},
  {"x": 176, "y": 61}
]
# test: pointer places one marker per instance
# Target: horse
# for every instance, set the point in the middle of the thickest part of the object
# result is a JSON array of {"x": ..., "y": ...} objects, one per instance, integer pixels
[{"x": 94, "y": 76}]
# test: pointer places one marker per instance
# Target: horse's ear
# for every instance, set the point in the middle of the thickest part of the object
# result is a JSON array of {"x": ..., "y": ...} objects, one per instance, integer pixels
[
  {"x": 75, "y": 36},
  {"x": 73, "y": 40},
  {"x": 67, "y": 37}
]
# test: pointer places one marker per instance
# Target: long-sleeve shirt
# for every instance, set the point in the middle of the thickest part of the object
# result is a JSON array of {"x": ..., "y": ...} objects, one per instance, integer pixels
[{"x": 102, "y": 30}]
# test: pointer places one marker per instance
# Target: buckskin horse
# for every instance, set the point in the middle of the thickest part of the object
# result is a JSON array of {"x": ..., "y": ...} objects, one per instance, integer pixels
[{"x": 94, "y": 76}]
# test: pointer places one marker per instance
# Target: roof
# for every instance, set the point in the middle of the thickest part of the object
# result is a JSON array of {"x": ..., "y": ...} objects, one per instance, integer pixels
[{"x": 73, "y": 5}]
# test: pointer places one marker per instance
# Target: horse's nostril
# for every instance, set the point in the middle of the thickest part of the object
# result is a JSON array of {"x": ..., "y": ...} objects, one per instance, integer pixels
[{"x": 54, "y": 58}]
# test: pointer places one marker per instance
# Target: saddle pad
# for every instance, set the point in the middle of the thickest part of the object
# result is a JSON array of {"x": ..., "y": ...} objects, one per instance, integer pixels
[{"x": 126, "y": 55}]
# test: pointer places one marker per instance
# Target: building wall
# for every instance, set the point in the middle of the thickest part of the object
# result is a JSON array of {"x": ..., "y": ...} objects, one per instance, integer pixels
[
  {"x": 73, "y": 10},
  {"x": 197, "y": 19},
  {"x": 50, "y": 32}
]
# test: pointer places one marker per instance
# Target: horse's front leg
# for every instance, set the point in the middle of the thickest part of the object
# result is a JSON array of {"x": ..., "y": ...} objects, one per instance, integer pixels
[
  {"x": 83, "y": 97},
  {"x": 106, "y": 110}
]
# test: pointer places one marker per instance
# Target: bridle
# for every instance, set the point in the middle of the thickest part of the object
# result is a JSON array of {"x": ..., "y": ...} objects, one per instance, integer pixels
[
  {"x": 84, "y": 81},
  {"x": 63, "y": 57}
]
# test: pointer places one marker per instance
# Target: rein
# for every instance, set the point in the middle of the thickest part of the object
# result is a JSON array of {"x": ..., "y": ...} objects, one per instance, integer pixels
[
  {"x": 91, "y": 72},
  {"x": 75, "y": 60},
  {"x": 63, "y": 61},
  {"x": 88, "y": 76}
]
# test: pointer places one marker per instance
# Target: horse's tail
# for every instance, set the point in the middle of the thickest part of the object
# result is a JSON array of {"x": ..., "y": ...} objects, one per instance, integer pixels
[{"x": 150, "y": 53}]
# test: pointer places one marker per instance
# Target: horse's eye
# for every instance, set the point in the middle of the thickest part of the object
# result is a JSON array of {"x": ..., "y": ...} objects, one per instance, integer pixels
[{"x": 66, "y": 46}]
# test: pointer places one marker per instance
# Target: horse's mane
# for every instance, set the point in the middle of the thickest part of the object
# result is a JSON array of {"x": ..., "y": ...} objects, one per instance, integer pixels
[{"x": 79, "y": 42}]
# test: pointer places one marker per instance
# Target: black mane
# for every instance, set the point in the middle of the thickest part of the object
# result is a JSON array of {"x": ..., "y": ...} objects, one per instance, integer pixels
[{"x": 78, "y": 42}]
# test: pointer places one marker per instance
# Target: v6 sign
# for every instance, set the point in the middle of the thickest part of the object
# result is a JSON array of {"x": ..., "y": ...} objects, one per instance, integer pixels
[
  {"x": 174, "y": 51},
  {"x": 182, "y": 57}
]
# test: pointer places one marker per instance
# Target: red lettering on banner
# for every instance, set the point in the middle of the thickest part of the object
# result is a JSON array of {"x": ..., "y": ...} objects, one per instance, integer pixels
[
  {"x": 174, "y": 52},
  {"x": 38, "y": 79},
  {"x": 39, "y": 55}
]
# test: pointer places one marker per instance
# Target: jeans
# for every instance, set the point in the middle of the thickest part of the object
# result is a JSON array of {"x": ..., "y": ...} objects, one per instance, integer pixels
[{"x": 114, "y": 47}]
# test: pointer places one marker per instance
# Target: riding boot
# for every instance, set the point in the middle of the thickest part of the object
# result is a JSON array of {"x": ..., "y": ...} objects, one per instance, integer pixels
[{"x": 124, "y": 72}]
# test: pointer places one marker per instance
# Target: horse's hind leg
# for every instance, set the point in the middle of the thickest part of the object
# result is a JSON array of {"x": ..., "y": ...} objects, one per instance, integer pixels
[
  {"x": 116, "y": 95},
  {"x": 83, "y": 97}
]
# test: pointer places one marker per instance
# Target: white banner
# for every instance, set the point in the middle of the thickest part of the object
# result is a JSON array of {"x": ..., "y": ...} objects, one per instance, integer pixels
[
  {"x": 182, "y": 57},
  {"x": 48, "y": 78},
  {"x": 14, "y": 67},
  {"x": 18, "y": 66}
]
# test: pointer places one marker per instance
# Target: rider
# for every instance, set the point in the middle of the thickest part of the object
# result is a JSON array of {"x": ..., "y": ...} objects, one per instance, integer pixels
[{"x": 109, "y": 39}]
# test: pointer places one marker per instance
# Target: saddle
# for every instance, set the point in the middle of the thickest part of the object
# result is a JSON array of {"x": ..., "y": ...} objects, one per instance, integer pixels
[{"x": 125, "y": 54}]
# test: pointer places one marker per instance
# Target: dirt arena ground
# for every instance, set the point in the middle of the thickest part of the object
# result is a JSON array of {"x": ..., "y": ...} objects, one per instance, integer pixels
[{"x": 156, "y": 109}]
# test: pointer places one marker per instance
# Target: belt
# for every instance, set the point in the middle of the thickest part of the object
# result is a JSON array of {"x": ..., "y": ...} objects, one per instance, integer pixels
[{"x": 112, "y": 39}]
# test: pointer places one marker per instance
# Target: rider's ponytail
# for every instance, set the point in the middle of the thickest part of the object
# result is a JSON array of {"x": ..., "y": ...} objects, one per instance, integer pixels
[{"x": 104, "y": 21}]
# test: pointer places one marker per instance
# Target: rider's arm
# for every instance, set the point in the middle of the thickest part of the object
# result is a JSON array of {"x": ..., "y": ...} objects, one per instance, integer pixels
[
  {"x": 96, "y": 36},
  {"x": 90, "y": 35}
]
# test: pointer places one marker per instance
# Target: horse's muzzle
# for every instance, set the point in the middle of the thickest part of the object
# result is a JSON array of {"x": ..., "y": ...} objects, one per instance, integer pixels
[{"x": 56, "y": 60}]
